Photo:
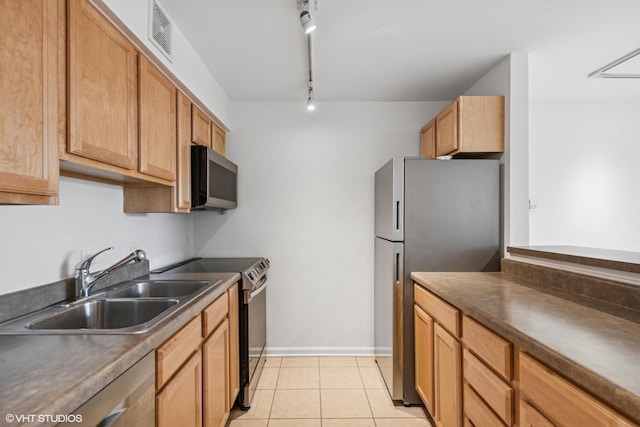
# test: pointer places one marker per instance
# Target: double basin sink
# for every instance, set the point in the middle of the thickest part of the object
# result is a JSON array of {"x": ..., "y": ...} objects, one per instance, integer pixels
[{"x": 131, "y": 307}]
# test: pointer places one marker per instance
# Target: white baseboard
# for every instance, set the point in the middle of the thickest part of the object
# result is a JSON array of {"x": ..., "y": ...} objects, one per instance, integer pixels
[{"x": 319, "y": 351}]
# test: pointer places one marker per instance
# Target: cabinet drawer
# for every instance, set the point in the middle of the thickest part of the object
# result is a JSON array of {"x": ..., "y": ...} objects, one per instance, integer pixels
[
  {"x": 176, "y": 350},
  {"x": 476, "y": 411},
  {"x": 560, "y": 401},
  {"x": 442, "y": 312},
  {"x": 214, "y": 314},
  {"x": 530, "y": 417},
  {"x": 496, "y": 393},
  {"x": 492, "y": 349}
]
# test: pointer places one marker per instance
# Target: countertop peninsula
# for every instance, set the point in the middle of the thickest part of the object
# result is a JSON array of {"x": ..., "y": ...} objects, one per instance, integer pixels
[{"x": 594, "y": 348}]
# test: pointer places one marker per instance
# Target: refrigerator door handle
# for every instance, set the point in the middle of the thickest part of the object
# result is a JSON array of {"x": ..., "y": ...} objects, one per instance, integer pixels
[
  {"x": 397, "y": 215},
  {"x": 397, "y": 268}
]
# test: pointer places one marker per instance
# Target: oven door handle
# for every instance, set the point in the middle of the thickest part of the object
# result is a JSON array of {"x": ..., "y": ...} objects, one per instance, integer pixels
[{"x": 248, "y": 296}]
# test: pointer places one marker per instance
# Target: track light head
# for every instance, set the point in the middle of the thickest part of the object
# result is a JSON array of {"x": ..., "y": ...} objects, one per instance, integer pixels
[
  {"x": 307, "y": 21},
  {"x": 311, "y": 105}
]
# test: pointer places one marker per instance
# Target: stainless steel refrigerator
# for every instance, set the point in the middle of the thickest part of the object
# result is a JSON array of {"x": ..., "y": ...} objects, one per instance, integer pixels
[{"x": 430, "y": 215}]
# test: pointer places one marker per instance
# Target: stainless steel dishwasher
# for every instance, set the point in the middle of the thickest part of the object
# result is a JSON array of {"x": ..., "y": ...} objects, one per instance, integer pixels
[{"x": 129, "y": 400}]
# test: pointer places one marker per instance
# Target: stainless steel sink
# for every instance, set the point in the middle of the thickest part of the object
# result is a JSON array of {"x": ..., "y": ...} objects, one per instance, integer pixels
[
  {"x": 159, "y": 288},
  {"x": 128, "y": 308},
  {"x": 105, "y": 314}
]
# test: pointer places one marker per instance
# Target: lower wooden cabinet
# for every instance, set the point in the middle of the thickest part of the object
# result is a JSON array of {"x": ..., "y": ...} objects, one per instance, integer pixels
[
  {"x": 562, "y": 403},
  {"x": 530, "y": 417},
  {"x": 479, "y": 380},
  {"x": 197, "y": 382},
  {"x": 215, "y": 352},
  {"x": 423, "y": 331},
  {"x": 180, "y": 401},
  {"x": 496, "y": 393},
  {"x": 476, "y": 411},
  {"x": 448, "y": 378}
]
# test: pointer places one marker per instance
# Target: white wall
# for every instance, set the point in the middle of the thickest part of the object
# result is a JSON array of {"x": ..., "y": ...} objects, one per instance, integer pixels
[
  {"x": 306, "y": 186},
  {"x": 42, "y": 244},
  {"x": 510, "y": 78},
  {"x": 186, "y": 64},
  {"x": 585, "y": 173}
]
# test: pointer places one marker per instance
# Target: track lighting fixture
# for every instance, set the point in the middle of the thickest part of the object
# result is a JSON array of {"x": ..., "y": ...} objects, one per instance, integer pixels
[
  {"x": 307, "y": 21},
  {"x": 309, "y": 25},
  {"x": 311, "y": 104}
]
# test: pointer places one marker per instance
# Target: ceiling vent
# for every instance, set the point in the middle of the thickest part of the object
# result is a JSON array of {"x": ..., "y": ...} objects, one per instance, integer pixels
[{"x": 160, "y": 28}]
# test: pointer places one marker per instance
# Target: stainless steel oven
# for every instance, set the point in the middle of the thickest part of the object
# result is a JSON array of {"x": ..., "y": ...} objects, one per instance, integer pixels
[{"x": 253, "y": 312}]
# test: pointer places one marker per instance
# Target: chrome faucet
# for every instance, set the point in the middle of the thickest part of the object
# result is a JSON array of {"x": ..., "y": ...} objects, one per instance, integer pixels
[{"x": 85, "y": 280}]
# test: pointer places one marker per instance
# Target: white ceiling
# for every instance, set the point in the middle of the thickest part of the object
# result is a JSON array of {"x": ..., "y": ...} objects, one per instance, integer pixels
[{"x": 409, "y": 50}]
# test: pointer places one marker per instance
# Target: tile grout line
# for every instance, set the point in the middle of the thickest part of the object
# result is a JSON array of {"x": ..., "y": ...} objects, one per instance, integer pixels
[
  {"x": 366, "y": 395},
  {"x": 320, "y": 392},
  {"x": 275, "y": 388}
]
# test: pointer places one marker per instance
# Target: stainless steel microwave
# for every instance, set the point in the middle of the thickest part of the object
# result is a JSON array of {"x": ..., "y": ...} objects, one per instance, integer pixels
[{"x": 213, "y": 180}]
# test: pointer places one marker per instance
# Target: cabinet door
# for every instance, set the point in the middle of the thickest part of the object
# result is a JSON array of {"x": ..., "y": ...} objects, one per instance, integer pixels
[
  {"x": 423, "y": 330},
  {"x": 102, "y": 89},
  {"x": 29, "y": 102},
  {"x": 447, "y": 130},
  {"x": 157, "y": 122},
  {"x": 218, "y": 144},
  {"x": 180, "y": 402},
  {"x": 216, "y": 377},
  {"x": 183, "y": 178},
  {"x": 428, "y": 140},
  {"x": 448, "y": 380},
  {"x": 200, "y": 127},
  {"x": 234, "y": 345}
]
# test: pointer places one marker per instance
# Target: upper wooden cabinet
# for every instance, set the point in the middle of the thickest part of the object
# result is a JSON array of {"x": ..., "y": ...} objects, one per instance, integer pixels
[
  {"x": 29, "y": 102},
  {"x": 102, "y": 88},
  {"x": 183, "y": 180},
  {"x": 176, "y": 198},
  {"x": 428, "y": 140},
  {"x": 79, "y": 97},
  {"x": 121, "y": 108},
  {"x": 200, "y": 127},
  {"x": 471, "y": 126},
  {"x": 205, "y": 132},
  {"x": 157, "y": 122},
  {"x": 219, "y": 143}
]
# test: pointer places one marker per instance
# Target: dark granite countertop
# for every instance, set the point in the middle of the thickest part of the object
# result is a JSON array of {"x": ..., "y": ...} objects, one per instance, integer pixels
[
  {"x": 55, "y": 374},
  {"x": 596, "y": 350}
]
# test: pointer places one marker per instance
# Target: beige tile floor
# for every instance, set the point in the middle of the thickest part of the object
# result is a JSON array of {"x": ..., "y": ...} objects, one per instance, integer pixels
[{"x": 324, "y": 392}]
